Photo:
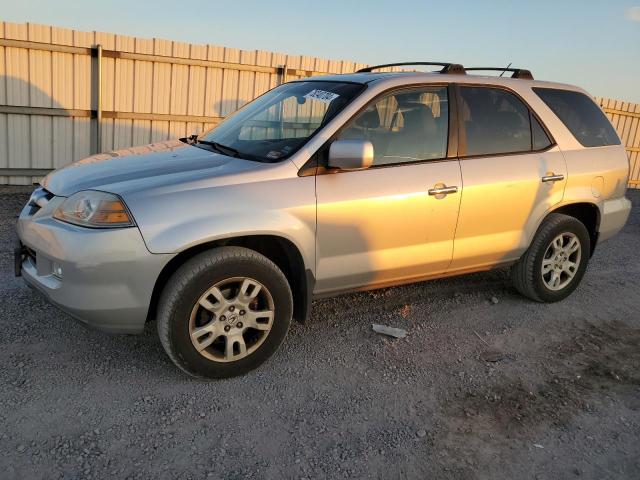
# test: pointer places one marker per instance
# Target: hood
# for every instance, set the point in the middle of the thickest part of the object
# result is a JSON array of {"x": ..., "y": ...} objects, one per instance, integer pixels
[{"x": 139, "y": 167}]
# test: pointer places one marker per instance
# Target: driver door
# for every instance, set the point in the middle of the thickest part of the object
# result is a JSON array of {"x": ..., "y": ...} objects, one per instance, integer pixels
[{"x": 392, "y": 222}]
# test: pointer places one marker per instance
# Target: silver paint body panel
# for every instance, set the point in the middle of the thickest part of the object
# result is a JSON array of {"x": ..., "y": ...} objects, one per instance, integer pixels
[
  {"x": 354, "y": 230},
  {"x": 107, "y": 275}
]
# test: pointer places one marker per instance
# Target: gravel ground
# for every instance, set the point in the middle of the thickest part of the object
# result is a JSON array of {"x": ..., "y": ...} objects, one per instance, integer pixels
[{"x": 486, "y": 385}]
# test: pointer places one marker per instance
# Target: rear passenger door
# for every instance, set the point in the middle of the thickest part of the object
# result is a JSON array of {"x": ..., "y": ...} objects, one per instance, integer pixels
[{"x": 512, "y": 173}]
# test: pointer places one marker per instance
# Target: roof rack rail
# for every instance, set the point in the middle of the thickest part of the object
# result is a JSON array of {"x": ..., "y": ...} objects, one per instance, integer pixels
[
  {"x": 446, "y": 67},
  {"x": 517, "y": 72}
]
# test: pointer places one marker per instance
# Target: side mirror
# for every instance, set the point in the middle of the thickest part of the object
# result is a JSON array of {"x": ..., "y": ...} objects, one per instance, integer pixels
[{"x": 350, "y": 154}]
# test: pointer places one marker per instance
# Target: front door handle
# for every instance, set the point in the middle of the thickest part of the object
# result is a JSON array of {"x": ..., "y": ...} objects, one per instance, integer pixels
[
  {"x": 552, "y": 178},
  {"x": 444, "y": 190}
]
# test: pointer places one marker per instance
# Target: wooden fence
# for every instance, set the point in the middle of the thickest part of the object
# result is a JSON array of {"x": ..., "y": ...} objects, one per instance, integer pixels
[{"x": 66, "y": 94}]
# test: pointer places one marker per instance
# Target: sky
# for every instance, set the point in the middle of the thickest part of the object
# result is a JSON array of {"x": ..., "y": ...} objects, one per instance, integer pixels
[{"x": 591, "y": 43}]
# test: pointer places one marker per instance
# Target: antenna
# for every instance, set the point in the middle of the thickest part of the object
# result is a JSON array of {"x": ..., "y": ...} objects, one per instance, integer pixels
[{"x": 506, "y": 68}]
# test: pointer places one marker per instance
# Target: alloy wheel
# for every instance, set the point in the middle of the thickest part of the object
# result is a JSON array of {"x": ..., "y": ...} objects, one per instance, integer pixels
[
  {"x": 231, "y": 319},
  {"x": 561, "y": 261}
]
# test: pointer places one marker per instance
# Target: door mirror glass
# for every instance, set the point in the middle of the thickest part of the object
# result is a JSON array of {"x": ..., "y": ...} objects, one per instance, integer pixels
[{"x": 350, "y": 154}]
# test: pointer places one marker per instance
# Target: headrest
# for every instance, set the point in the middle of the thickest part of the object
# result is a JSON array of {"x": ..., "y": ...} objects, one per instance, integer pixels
[
  {"x": 409, "y": 98},
  {"x": 369, "y": 119},
  {"x": 507, "y": 119},
  {"x": 419, "y": 117},
  {"x": 416, "y": 110}
]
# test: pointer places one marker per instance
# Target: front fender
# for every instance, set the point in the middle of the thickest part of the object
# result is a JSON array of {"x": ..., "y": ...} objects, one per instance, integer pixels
[{"x": 174, "y": 221}]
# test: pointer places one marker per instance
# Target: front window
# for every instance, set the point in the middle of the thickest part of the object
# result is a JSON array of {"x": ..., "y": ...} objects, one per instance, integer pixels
[
  {"x": 404, "y": 126},
  {"x": 277, "y": 124}
]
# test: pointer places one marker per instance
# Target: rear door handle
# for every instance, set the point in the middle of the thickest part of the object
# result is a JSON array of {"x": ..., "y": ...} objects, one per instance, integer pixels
[
  {"x": 442, "y": 190},
  {"x": 552, "y": 178}
]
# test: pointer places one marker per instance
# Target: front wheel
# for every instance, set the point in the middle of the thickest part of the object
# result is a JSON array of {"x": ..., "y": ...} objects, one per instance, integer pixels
[
  {"x": 224, "y": 312},
  {"x": 555, "y": 262}
]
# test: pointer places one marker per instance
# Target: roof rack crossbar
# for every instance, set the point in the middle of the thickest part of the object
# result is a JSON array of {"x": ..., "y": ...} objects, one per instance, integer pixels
[
  {"x": 446, "y": 67},
  {"x": 516, "y": 72}
]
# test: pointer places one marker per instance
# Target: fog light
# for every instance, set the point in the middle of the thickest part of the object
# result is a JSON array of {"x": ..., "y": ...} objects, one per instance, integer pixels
[{"x": 57, "y": 270}]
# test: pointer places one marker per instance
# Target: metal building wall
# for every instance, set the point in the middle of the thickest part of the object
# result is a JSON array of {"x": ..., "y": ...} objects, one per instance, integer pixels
[
  {"x": 42, "y": 80},
  {"x": 150, "y": 90},
  {"x": 625, "y": 118}
]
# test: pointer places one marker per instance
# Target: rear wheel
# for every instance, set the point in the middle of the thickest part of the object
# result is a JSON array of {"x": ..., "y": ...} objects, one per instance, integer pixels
[
  {"x": 224, "y": 312},
  {"x": 555, "y": 263}
]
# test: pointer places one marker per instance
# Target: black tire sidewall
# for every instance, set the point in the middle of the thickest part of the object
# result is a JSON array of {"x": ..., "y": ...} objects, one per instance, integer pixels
[
  {"x": 567, "y": 225},
  {"x": 189, "y": 358}
]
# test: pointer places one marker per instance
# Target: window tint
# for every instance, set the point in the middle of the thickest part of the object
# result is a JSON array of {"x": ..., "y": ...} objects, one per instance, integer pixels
[
  {"x": 495, "y": 121},
  {"x": 540, "y": 138},
  {"x": 405, "y": 126},
  {"x": 581, "y": 116}
]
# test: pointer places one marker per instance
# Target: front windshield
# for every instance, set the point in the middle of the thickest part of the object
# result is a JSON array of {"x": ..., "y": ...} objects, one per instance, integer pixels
[{"x": 277, "y": 124}]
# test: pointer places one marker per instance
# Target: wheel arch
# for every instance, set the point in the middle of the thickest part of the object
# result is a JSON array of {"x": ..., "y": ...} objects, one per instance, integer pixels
[
  {"x": 279, "y": 250},
  {"x": 586, "y": 212}
]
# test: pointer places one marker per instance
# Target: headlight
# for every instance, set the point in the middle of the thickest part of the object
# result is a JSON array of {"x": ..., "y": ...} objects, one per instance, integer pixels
[{"x": 91, "y": 208}]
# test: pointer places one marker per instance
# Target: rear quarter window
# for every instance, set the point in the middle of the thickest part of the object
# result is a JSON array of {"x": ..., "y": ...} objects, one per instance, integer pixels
[{"x": 581, "y": 116}]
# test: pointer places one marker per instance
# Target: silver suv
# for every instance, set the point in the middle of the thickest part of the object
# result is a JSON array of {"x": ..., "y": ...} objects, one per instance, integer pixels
[{"x": 322, "y": 186}]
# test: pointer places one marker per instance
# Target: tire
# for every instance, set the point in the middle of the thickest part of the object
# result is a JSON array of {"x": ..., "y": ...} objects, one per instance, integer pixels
[
  {"x": 527, "y": 273},
  {"x": 224, "y": 279}
]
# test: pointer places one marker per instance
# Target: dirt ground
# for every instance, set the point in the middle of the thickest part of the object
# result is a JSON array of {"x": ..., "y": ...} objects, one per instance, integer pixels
[{"x": 486, "y": 385}]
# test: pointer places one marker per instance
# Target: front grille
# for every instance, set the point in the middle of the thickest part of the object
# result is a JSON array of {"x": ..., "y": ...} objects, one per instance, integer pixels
[
  {"x": 30, "y": 254},
  {"x": 39, "y": 198},
  {"x": 22, "y": 254}
]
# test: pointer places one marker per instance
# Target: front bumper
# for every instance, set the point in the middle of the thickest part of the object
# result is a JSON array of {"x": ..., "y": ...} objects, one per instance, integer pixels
[{"x": 102, "y": 277}]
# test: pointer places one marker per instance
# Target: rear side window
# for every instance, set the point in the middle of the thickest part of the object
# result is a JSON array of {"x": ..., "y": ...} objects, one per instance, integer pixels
[
  {"x": 581, "y": 116},
  {"x": 495, "y": 121}
]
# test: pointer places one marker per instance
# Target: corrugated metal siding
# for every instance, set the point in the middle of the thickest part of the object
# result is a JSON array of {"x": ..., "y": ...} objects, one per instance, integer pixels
[
  {"x": 194, "y": 82},
  {"x": 33, "y": 77},
  {"x": 625, "y": 118},
  {"x": 38, "y": 78},
  {"x": 4, "y": 140}
]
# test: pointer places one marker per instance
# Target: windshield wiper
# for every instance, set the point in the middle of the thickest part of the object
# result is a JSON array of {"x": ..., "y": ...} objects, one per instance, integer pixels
[
  {"x": 193, "y": 139},
  {"x": 232, "y": 152}
]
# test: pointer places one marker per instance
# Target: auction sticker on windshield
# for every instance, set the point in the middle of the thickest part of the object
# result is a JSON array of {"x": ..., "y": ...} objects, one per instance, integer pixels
[{"x": 322, "y": 95}]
